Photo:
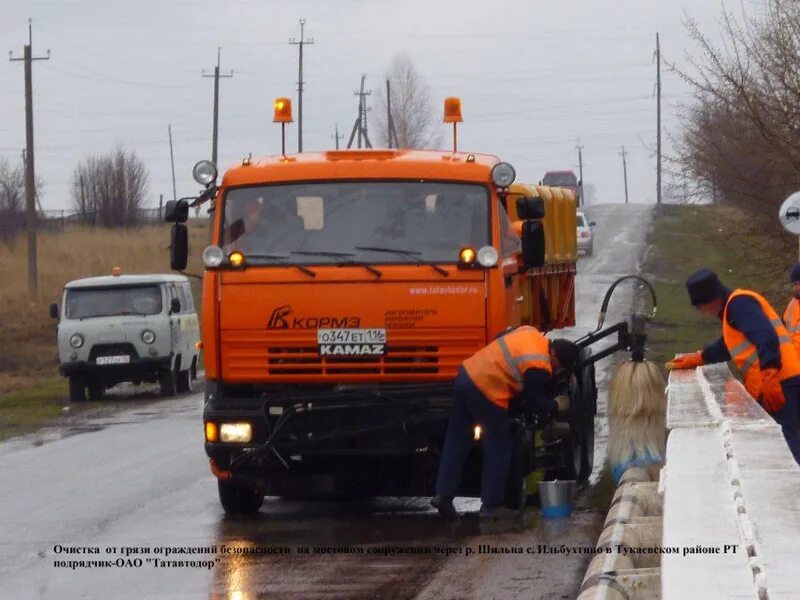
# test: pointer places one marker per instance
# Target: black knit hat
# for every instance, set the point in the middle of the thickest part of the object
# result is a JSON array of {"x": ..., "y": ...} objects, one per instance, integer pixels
[
  {"x": 566, "y": 352},
  {"x": 704, "y": 286}
]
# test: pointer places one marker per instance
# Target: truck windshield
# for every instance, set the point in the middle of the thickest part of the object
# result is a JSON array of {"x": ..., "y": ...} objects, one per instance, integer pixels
[
  {"x": 317, "y": 223},
  {"x": 113, "y": 301},
  {"x": 560, "y": 179}
]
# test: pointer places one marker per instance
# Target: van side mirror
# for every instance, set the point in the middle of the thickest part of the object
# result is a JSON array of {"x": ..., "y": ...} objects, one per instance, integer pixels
[
  {"x": 592, "y": 223},
  {"x": 530, "y": 208},
  {"x": 54, "y": 311},
  {"x": 532, "y": 244},
  {"x": 176, "y": 211},
  {"x": 174, "y": 306},
  {"x": 179, "y": 247}
]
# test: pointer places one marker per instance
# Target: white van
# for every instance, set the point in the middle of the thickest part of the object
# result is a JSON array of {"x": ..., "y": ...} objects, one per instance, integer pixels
[{"x": 127, "y": 328}]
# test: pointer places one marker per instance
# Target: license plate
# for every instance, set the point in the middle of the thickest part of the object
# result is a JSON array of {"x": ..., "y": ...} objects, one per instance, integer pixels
[
  {"x": 351, "y": 342},
  {"x": 112, "y": 360}
]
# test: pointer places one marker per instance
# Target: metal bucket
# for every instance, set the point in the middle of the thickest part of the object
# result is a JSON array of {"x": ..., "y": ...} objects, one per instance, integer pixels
[{"x": 556, "y": 498}]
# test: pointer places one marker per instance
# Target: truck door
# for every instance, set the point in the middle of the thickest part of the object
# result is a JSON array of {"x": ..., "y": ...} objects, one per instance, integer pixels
[{"x": 510, "y": 247}]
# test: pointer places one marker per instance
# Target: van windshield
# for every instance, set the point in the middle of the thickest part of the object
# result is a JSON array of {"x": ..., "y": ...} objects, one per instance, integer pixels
[
  {"x": 365, "y": 221},
  {"x": 81, "y": 303}
]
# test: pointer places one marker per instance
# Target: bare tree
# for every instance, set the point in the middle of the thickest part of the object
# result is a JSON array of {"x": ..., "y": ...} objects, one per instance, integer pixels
[
  {"x": 109, "y": 189},
  {"x": 414, "y": 117},
  {"x": 740, "y": 139},
  {"x": 12, "y": 188}
]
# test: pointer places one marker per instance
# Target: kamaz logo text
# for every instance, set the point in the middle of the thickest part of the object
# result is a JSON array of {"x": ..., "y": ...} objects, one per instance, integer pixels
[{"x": 281, "y": 318}]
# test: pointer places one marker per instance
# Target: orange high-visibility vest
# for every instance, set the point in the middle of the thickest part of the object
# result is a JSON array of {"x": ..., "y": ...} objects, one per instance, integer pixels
[
  {"x": 745, "y": 354},
  {"x": 497, "y": 370},
  {"x": 791, "y": 318}
]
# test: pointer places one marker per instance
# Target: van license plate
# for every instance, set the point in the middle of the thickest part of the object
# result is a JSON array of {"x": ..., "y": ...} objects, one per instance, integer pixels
[
  {"x": 351, "y": 342},
  {"x": 112, "y": 360}
]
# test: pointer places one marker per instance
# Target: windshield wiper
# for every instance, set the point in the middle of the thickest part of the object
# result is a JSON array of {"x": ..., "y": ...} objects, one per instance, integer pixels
[
  {"x": 410, "y": 253},
  {"x": 347, "y": 256},
  {"x": 305, "y": 270}
]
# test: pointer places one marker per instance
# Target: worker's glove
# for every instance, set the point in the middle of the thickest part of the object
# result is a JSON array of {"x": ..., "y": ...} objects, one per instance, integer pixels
[
  {"x": 772, "y": 397},
  {"x": 686, "y": 361}
]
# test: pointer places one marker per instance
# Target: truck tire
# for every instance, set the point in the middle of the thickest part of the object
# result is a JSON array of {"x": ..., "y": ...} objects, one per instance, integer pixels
[
  {"x": 237, "y": 499},
  {"x": 166, "y": 380},
  {"x": 516, "y": 492},
  {"x": 77, "y": 389}
]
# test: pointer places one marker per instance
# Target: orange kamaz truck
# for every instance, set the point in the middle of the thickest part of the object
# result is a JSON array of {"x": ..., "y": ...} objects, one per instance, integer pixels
[{"x": 343, "y": 289}]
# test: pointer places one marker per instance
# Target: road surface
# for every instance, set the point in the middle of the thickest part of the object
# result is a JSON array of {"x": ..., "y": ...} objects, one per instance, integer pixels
[{"x": 122, "y": 505}]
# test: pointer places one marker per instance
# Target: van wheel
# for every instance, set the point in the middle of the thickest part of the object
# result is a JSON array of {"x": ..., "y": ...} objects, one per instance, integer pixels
[
  {"x": 166, "y": 379},
  {"x": 77, "y": 389},
  {"x": 96, "y": 391},
  {"x": 184, "y": 383},
  {"x": 238, "y": 499}
]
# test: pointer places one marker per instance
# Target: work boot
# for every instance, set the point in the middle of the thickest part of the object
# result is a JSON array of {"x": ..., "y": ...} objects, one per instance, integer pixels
[
  {"x": 494, "y": 513},
  {"x": 445, "y": 506}
]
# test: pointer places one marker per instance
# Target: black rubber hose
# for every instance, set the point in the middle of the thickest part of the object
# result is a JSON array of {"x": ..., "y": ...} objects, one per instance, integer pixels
[{"x": 607, "y": 299}]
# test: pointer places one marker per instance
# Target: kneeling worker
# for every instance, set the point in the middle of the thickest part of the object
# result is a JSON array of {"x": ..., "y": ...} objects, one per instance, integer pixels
[
  {"x": 519, "y": 362},
  {"x": 754, "y": 337}
]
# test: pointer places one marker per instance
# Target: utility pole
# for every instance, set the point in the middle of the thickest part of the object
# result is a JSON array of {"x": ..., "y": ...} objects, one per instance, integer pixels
[
  {"x": 581, "y": 198},
  {"x": 300, "y": 81},
  {"x": 658, "y": 120},
  {"x": 215, "y": 127},
  {"x": 30, "y": 178},
  {"x": 172, "y": 160},
  {"x": 390, "y": 130},
  {"x": 360, "y": 125},
  {"x": 623, "y": 154},
  {"x": 337, "y": 137}
]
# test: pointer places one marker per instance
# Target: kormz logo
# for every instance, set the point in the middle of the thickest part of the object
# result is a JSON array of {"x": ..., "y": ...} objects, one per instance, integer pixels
[{"x": 279, "y": 319}]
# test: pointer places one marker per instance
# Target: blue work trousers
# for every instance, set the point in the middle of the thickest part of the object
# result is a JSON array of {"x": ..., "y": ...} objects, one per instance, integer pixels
[
  {"x": 470, "y": 408},
  {"x": 789, "y": 418}
]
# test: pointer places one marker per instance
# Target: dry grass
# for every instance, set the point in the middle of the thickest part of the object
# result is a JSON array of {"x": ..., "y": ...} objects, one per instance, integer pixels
[{"x": 27, "y": 334}]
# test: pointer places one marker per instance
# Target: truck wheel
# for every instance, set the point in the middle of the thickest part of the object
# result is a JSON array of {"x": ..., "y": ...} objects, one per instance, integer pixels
[
  {"x": 166, "y": 379},
  {"x": 184, "y": 381},
  {"x": 238, "y": 499},
  {"x": 516, "y": 492},
  {"x": 77, "y": 389},
  {"x": 588, "y": 392}
]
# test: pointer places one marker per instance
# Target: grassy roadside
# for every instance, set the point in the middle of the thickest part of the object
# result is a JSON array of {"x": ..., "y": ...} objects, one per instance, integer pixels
[
  {"x": 25, "y": 410},
  {"x": 686, "y": 238}
]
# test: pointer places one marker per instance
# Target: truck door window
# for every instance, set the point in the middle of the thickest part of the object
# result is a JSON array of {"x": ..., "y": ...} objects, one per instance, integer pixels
[{"x": 509, "y": 240}]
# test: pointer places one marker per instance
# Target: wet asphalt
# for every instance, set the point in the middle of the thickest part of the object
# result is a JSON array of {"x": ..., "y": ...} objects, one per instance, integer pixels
[{"x": 121, "y": 504}]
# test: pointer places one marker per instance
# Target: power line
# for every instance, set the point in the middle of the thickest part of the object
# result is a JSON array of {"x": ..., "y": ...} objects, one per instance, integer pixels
[
  {"x": 658, "y": 120},
  {"x": 300, "y": 82},
  {"x": 623, "y": 154},
  {"x": 581, "y": 198}
]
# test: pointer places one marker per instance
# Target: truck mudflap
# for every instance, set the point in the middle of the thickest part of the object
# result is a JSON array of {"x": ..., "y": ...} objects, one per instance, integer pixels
[{"x": 430, "y": 403}]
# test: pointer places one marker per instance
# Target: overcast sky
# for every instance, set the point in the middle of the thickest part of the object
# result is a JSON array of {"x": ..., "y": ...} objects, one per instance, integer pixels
[{"x": 533, "y": 75}]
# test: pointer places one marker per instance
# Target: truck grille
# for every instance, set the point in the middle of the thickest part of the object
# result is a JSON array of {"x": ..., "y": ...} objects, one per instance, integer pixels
[
  {"x": 292, "y": 356},
  {"x": 397, "y": 360}
]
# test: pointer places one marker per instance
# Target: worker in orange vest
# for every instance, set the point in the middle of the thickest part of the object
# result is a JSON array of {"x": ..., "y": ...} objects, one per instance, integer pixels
[
  {"x": 791, "y": 316},
  {"x": 519, "y": 363},
  {"x": 757, "y": 342}
]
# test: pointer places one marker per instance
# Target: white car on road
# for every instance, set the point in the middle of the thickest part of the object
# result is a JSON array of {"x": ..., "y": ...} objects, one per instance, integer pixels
[{"x": 585, "y": 234}]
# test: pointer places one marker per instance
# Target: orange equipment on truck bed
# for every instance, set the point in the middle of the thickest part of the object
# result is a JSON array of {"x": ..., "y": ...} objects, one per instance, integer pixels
[{"x": 342, "y": 291}]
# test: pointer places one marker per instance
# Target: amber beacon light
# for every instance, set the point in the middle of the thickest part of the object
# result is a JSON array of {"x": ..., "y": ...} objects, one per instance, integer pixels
[
  {"x": 283, "y": 115},
  {"x": 452, "y": 114}
]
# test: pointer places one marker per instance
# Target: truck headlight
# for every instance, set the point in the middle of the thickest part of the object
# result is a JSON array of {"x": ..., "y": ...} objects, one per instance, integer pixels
[
  {"x": 148, "y": 337},
  {"x": 76, "y": 340},
  {"x": 213, "y": 256},
  {"x": 204, "y": 172},
  {"x": 236, "y": 433},
  {"x": 503, "y": 175},
  {"x": 487, "y": 256}
]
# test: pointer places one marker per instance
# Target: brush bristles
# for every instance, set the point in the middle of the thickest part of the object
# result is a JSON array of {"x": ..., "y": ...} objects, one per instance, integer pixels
[{"x": 636, "y": 413}]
